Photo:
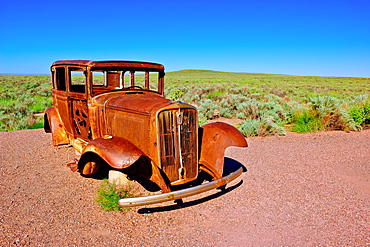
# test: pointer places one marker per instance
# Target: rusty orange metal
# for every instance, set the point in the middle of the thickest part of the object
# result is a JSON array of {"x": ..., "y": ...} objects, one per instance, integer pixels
[
  {"x": 114, "y": 113},
  {"x": 215, "y": 138}
]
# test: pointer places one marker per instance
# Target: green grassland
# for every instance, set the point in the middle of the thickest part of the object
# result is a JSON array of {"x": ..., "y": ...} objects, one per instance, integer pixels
[
  {"x": 293, "y": 86},
  {"x": 265, "y": 104}
]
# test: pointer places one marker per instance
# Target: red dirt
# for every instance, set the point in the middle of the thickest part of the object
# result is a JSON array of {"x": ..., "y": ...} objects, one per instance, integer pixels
[{"x": 299, "y": 190}]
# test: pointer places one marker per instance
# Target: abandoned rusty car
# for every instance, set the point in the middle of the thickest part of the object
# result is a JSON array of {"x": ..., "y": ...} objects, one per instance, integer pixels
[{"x": 114, "y": 114}]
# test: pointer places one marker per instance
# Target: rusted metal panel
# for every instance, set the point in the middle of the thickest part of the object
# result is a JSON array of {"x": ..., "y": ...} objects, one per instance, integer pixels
[
  {"x": 215, "y": 138},
  {"x": 112, "y": 64},
  {"x": 133, "y": 127},
  {"x": 117, "y": 152},
  {"x": 81, "y": 121},
  {"x": 178, "y": 141},
  {"x": 60, "y": 100},
  {"x": 53, "y": 124},
  {"x": 137, "y": 101}
]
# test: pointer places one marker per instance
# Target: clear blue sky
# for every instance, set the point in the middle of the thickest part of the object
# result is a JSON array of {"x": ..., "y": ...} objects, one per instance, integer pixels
[{"x": 297, "y": 37}]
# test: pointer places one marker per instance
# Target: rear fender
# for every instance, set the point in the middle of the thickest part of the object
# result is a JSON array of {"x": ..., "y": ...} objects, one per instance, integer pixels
[
  {"x": 120, "y": 153},
  {"x": 214, "y": 139},
  {"x": 53, "y": 125}
]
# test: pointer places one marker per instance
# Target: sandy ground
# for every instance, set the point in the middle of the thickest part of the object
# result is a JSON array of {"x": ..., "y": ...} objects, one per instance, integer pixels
[{"x": 298, "y": 190}]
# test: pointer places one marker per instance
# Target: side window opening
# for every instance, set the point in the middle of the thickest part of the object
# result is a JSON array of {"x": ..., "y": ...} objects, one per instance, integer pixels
[
  {"x": 138, "y": 78},
  {"x": 60, "y": 77},
  {"x": 144, "y": 79},
  {"x": 98, "y": 78},
  {"x": 77, "y": 80},
  {"x": 153, "y": 81}
]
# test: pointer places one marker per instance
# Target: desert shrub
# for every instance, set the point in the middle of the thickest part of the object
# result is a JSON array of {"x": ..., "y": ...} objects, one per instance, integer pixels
[
  {"x": 250, "y": 108},
  {"x": 237, "y": 90},
  {"x": 20, "y": 98},
  {"x": 226, "y": 113},
  {"x": 241, "y": 115},
  {"x": 269, "y": 110},
  {"x": 269, "y": 126},
  {"x": 261, "y": 127},
  {"x": 175, "y": 94},
  {"x": 278, "y": 91},
  {"x": 288, "y": 108},
  {"x": 207, "y": 108},
  {"x": 323, "y": 104},
  {"x": 249, "y": 127},
  {"x": 202, "y": 120},
  {"x": 325, "y": 113},
  {"x": 322, "y": 114},
  {"x": 16, "y": 117},
  {"x": 108, "y": 195},
  {"x": 305, "y": 121},
  {"x": 40, "y": 103},
  {"x": 358, "y": 114},
  {"x": 346, "y": 121},
  {"x": 191, "y": 98},
  {"x": 214, "y": 94},
  {"x": 360, "y": 110}
]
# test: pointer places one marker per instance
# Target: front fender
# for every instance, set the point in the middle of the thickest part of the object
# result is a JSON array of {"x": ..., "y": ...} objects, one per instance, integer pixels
[
  {"x": 214, "y": 139},
  {"x": 118, "y": 152}
]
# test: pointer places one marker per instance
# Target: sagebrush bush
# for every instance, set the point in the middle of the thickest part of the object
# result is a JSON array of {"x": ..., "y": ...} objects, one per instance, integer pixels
[
  {"x": 207, "y": 107},
  {"x": 249, "y": 127},
  {"x": 260, "y": 127},
  {"x": 175, "y": 94}
]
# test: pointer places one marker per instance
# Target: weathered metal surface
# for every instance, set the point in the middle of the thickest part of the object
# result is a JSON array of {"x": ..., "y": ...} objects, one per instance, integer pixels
[
  {"x": 118, "y": 152},
  {"x": 178, "y": 144},
  {"x": 80, "y": 116},
  {"x": 144, "y": 102},
  {"x": 174, "y": 195},
  {"x": 215, "y": 138},
  {"x": 111, "y": 113},
  {"x": 54, "y": 125},
  {"x": 111, "y": 64}
]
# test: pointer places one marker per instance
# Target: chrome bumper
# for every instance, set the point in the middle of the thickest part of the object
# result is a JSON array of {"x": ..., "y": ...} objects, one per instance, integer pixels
[{"x": 174, "y": 195}]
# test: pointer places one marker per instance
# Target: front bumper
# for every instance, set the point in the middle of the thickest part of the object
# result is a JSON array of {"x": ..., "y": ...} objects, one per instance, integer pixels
[{"x": 174, "y": 195}]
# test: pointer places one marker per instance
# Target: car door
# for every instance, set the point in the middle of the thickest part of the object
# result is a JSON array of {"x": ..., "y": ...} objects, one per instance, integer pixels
[{"x": 77, "y": 77}]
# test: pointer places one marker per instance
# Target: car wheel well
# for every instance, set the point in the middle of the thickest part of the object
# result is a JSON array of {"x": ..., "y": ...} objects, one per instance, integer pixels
[
  {"x": 46, "y": 124},
  {"x": 93, "y": 166}
]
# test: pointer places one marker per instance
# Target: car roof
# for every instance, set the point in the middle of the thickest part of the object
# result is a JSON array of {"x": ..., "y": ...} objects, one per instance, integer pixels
[{"x": 110, "y": 63}]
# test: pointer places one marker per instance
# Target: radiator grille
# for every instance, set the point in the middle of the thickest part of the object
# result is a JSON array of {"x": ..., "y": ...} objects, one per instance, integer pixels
[{"x": 178, "y": 144}]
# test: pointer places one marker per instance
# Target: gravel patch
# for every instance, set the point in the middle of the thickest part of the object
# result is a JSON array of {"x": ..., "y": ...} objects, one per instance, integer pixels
[{"x": 298, "y": 190}]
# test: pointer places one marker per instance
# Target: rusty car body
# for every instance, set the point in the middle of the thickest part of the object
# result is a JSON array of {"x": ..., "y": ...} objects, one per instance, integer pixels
[{"x": 114, "y": 113}]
